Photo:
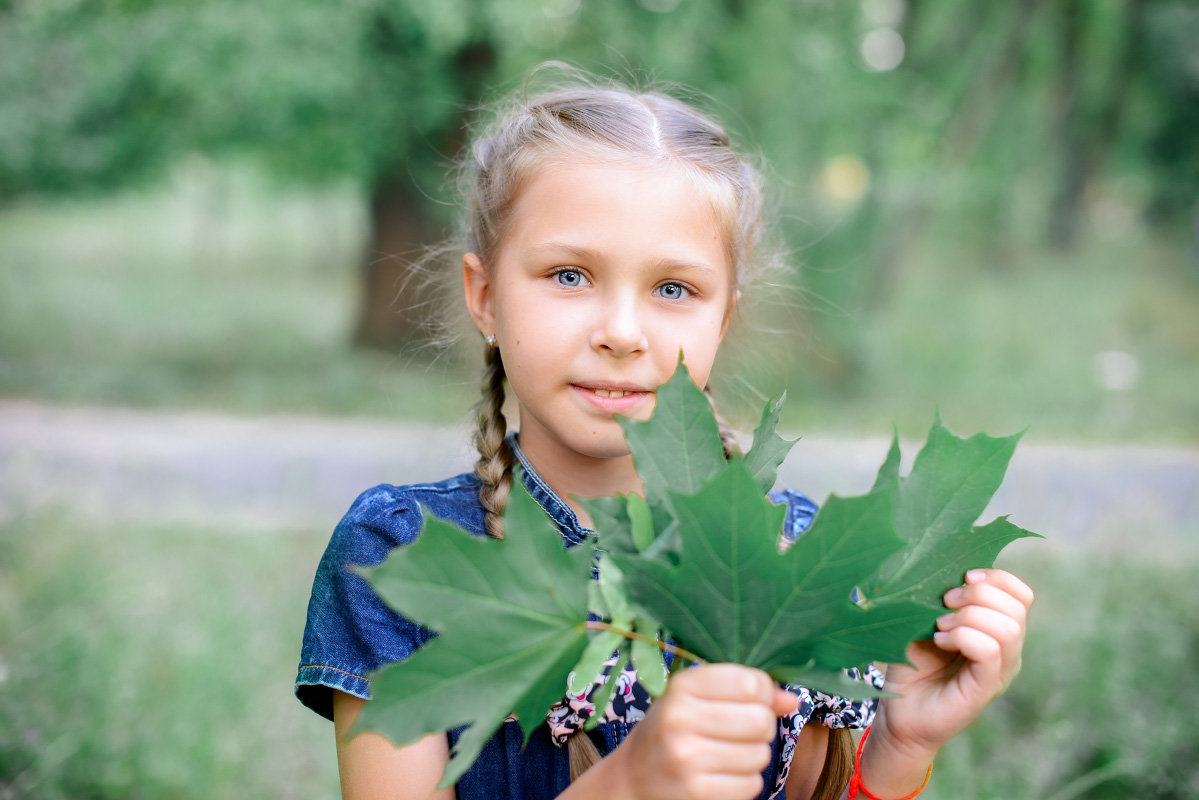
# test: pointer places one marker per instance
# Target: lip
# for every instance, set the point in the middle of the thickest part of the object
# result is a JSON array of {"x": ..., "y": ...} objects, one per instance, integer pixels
[{"x": 612, "y": 398}]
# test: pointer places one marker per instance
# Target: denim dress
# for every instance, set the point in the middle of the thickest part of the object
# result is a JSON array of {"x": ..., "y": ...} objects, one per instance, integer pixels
[{"x": 350, "y": 633}]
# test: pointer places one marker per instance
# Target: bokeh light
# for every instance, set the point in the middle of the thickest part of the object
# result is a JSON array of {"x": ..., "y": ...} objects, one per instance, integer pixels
[{"x": 882, "y": 49}]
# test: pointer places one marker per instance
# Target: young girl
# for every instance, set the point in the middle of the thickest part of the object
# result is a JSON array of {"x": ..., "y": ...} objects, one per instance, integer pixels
[{"x": 610, "y": 231}]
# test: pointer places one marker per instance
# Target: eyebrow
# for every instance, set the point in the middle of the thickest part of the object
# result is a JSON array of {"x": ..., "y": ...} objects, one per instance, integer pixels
[{"x": 587, "y": 253}]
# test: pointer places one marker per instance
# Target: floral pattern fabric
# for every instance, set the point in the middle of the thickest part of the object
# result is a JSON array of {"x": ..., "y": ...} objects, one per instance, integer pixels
[{"x": 630, "y": 701}]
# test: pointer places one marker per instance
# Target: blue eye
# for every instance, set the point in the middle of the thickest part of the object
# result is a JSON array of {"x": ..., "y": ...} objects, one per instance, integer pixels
[
  {"x": 672, "y": 291},
  {"x": 570, "y": 278}
]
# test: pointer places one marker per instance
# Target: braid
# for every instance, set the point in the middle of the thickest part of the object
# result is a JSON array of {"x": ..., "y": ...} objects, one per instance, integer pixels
[
  {"x": 727, "y": 441},
  {"x": 494, "y": 466},
  {"x": 582, "y": 753}
]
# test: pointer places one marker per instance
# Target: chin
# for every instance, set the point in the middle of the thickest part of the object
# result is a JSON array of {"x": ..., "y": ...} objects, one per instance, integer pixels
[{"x": 602, "y": 444}]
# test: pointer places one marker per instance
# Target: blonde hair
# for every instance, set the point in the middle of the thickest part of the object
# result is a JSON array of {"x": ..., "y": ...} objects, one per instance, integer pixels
[{"x": 608, "y": 124}]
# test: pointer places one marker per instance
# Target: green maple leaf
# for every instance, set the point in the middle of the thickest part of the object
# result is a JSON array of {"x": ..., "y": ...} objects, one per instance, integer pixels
[
  {"x": 733, "y": 597},
  {"x": 511, "y": 620},
  {"x": 769, "y": 449},
  {"x": 724, "y": 592},
  {"x": 950, "y": 485},
  {"x": 678, "y": 450}
]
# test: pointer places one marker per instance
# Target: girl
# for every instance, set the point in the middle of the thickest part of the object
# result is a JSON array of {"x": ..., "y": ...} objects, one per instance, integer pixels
[{"x": 609, "y": 231}]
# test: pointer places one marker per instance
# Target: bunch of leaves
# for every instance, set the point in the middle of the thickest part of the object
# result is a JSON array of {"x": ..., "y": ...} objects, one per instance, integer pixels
[{"x": 693, "y": 568}]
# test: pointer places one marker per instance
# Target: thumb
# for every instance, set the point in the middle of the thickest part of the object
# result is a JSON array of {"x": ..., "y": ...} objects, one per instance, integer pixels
[{"x": 784, "y": 702}]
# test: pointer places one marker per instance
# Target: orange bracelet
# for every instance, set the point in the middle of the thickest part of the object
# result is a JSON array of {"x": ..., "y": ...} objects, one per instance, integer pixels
[{"x": 855, "y": 782}]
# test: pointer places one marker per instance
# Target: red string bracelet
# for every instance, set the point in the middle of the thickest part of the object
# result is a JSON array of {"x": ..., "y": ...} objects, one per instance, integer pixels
[{"x": 855, "y": 782}]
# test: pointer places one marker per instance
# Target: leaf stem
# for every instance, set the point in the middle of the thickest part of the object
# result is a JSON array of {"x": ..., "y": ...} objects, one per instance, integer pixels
[{"x": 666, "y": 647}]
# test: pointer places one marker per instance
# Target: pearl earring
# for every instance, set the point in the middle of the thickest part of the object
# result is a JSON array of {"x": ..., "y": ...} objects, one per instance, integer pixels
[{"x": 491, "y": 340}]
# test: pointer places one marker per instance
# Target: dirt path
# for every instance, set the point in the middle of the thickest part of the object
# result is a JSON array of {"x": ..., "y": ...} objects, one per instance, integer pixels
[{"x": 301, "y": 473}]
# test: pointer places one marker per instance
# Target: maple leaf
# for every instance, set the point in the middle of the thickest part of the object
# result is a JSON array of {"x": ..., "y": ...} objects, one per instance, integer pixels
[
  {"x": 734, "y": 597},
  {"x": 769, "y": 449},
  {"x": 950, "y": 485},
  {"x": 511, "y": 619},
  {"x": 678, "y": 450},
  {"x": 724, "y": 592}
]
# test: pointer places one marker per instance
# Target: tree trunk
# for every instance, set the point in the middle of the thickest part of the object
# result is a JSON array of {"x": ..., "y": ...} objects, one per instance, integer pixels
[
  {"x": 398, "y": 302},
  {"x": 392, "y": 315}
]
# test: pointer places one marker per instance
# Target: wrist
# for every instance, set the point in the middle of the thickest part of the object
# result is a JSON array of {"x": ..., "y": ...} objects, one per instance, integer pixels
[
  {"x": 894, "y": 747},
  {"x": 889, "y": 768}
]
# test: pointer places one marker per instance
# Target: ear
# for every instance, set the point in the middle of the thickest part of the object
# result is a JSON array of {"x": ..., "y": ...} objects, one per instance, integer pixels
[
  {"x": 728, "y": 313},
  {"x": 476, "y": 290}
]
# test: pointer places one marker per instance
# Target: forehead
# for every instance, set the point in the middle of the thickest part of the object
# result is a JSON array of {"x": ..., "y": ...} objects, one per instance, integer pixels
[{"x": 647, "y": 212}]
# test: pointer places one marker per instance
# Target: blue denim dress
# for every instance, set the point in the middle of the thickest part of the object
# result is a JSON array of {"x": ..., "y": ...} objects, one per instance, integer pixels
[{"x": 350, "y": 632}]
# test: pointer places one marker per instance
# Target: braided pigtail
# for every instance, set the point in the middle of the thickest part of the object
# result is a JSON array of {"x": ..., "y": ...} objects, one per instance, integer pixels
[
  {"x": 494, "y": 466},
  {"x": 728, "y": 442},
  {"x": 582, "y": 752}
]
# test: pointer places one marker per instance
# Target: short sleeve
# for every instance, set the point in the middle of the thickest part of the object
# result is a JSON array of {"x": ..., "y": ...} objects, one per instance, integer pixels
[
  {"x": 800, "y": 512},
  {"x": 350, "y": 632}
]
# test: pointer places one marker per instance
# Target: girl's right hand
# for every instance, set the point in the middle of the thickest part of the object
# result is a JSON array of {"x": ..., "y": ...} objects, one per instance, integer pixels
[{"x": 708, "y": 736}]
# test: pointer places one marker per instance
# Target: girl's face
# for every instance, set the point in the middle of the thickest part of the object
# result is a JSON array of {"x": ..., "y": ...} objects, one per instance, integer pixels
[{"x": 606, "y": 273}]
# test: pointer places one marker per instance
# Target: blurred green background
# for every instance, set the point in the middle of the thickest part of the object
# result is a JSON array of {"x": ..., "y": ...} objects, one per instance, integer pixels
[{"x": 990, "y": 208}]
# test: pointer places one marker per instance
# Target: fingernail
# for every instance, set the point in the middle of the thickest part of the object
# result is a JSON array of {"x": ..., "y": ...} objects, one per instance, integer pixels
[
  {"x": 952, "y": 596},
  {"x": 944, "y": 619},
  {"x": 940, "y": 636},
  {"x": 975, "y": 575}
]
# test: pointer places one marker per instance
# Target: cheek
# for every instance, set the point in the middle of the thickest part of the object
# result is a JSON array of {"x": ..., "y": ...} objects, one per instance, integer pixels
[
  {"x": 699, "y": 350},
  {"x": 524, "y": 317}
]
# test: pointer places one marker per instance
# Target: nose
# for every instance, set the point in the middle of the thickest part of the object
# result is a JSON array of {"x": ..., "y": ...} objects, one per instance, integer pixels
[{"x": 619, "y": 331}]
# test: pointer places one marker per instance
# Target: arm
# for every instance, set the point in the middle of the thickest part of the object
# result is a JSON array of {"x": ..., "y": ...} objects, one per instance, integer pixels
[
  {"x": 372, "y": 768},
  {"x": 807, "y": 762}
]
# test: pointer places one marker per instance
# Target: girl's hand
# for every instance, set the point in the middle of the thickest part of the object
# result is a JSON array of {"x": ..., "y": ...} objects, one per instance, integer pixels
[
  {"x": 973, "y": 657},
  {"x": 708, "y": 736}
]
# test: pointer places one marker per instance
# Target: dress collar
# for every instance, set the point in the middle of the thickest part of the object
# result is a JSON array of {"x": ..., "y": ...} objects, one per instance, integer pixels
[{"x": 563, "y": 515}]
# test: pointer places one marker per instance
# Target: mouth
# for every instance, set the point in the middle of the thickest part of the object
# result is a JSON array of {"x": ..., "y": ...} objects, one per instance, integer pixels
[
  {"x": 612, "y": 398},
  {"x": 613, "y": 392}
]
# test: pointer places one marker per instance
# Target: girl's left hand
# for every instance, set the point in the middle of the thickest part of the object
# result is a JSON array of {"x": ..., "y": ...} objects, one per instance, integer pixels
[{"x": 972, "y": 658}]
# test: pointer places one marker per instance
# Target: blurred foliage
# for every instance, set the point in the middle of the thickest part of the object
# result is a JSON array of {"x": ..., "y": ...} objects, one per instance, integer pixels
[
  {"x": 885, "y": 121},
  {"x": 154, "y": 662}
]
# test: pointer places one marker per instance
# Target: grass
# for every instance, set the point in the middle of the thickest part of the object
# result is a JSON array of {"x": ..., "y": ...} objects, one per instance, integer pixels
[
  {"x": 144, "y": 662},
  {"x": 217, "y": 292},
  {"x": 155, "y": 663}
]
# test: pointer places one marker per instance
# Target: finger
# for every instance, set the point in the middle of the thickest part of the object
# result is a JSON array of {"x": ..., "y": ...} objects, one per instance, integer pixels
[
  {"x": 719, "y": 757},
  {"x": 722, "y": 787},
  {"x": 982, "y": 650},
  {"x": 732, "y": 721},
  {"x": 1009, "y": 633},
  {"x": 994, "y": 624},
  {"x": 785, "y": 702},
  {"x": 987, "y": 596},
  {"x": 732, "y": 682},
  {"x": 1003, "y": 580}
]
